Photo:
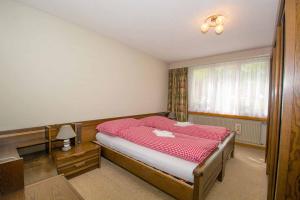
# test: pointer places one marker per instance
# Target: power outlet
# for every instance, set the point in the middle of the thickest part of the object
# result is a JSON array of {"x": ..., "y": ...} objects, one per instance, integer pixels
[{"x": 238, "y": 129}]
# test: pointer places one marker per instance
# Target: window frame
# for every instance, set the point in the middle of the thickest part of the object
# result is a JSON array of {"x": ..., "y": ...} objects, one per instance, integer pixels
[{"x": 232, "y": 116}]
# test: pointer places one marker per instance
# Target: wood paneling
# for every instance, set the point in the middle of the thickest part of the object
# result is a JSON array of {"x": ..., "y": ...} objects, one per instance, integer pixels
[
  {"x": 22, "y": 131},
  {"x": 293, "y": 179},
  {"x": 284, "y": 154},
  {"x": 271, "y": 107},
  {"x": 289, "y": 16},
  {"x": 251, "y": 145},
  {"x": 21, "y": 139},
  {"x": 274, "y": 123}
]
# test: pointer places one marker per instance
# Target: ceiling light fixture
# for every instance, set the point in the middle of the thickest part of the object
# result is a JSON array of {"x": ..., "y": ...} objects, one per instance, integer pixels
[{"x": 214, "y": 21}]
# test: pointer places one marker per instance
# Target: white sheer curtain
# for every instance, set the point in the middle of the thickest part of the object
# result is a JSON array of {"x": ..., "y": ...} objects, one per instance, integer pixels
[{"x": 237, "y": 88}]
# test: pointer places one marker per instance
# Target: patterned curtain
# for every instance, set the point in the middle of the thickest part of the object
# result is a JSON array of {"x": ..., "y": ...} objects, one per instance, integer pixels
[{"x": 178, "y": 93}]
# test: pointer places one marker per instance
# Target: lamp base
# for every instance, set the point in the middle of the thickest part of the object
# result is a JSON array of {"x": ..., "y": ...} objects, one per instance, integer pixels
[{"x": 67, "y": 145}]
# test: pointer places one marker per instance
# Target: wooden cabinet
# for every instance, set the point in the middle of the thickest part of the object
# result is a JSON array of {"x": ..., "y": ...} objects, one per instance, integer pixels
[
  {"x": 81, "y": 158},
  {"x": 11, "y": 175},
  {"x": 283, "y": 147}
]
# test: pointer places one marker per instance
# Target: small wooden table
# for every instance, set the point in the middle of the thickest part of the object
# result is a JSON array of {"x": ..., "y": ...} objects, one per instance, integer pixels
[
  {"x": 81, "y": 158},
  {"x": 55, "y": 188}
]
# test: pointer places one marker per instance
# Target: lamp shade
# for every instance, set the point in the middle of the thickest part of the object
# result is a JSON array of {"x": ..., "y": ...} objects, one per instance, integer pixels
[
  {"x": 65, "y": 132},
  {"x": 172, "y": 115},
  {"x": 204, "y": 27},
  {"x": 219, "y": 29}
]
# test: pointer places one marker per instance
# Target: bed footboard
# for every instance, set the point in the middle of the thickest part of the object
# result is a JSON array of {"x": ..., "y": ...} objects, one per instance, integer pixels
[
  {"x": 229, "y": 148},
  {"x": 167, "y": 183},
  {"x": 228, "y": 152},
  {"x": 206, "y": 175}
]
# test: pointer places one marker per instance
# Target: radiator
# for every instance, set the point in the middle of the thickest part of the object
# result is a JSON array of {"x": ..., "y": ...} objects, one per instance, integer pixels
[{"x": 252, "y": 132}]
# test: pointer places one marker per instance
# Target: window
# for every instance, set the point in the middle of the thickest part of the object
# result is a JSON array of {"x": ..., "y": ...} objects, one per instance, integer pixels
[{"x": 234, "y": 88}]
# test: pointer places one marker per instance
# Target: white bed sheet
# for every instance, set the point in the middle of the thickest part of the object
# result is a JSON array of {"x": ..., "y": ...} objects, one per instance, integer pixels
[{"x": 172, "y": 165}]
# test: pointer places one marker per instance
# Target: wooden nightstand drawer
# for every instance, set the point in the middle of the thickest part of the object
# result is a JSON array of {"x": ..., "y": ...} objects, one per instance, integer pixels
[
  {"x": 80, "y": 158},
  {"x": 79, "y": 166},
  {"x": 76, "y": 157}
]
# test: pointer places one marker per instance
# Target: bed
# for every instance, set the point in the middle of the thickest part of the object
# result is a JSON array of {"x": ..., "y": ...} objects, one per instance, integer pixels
[{"x": 180, "y": 178}]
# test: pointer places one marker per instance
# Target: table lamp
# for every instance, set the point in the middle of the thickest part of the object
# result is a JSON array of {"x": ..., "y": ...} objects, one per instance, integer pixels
[
  {"x": 65, "y": 133},
  {"x": 172, "y": 115}
]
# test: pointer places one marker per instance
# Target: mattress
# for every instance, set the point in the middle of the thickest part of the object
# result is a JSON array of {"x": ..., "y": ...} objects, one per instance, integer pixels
[{"x": 174, "y": 166}]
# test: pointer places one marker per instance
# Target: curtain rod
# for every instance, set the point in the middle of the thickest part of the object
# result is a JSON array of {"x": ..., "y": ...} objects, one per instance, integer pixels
[{"x": 221, "y": 61}]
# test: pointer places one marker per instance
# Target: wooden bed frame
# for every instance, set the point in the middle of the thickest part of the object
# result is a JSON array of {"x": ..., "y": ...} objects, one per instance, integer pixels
[{"x": 205, "y": 174}]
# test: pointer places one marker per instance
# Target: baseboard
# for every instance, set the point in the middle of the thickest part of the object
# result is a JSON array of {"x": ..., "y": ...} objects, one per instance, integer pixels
[{"x": 251, "y": 145}]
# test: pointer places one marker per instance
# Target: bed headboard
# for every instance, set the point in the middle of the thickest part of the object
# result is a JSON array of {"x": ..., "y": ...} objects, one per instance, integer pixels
[
  {"x": 88, "y": 128},
  {"x": 85, "y": 130}
]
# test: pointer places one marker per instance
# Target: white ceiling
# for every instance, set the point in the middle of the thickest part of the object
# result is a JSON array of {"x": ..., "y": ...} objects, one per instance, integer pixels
[{"x": 170, "y": 29}]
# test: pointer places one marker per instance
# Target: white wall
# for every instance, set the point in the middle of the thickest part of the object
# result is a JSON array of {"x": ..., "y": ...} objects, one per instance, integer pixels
[{"x": 52, "y": 71}]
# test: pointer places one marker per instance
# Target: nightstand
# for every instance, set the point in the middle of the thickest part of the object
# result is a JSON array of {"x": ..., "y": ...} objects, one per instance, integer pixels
[{"x": 81, "y": 158}]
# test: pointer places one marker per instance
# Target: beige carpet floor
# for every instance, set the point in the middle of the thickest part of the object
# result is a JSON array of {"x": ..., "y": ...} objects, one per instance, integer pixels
[{"x": 245, "y": 179}]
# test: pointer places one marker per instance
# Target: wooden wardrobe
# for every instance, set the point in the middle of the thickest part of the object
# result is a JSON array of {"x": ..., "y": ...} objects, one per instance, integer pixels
[{"x": 283, "y": 146}]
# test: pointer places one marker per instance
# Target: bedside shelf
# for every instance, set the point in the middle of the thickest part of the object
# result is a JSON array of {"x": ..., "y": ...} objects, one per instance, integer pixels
[{"x": 32, "y": 142}]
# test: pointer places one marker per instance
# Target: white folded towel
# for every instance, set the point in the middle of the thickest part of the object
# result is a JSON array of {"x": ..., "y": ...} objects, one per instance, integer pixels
[
  {"x": 183, "y": 124},
  {"x": 161, "y": 133}
]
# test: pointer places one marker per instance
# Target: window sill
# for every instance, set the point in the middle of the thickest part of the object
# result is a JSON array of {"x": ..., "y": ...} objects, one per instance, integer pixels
[{"x": 261, "y": 119}]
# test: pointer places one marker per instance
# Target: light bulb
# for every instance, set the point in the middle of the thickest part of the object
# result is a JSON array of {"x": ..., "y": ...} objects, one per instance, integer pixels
[
  {"x": 204, "y": 27},
  {"x": 220, "y": 20},
  {"x": 219, "y": 29}
]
